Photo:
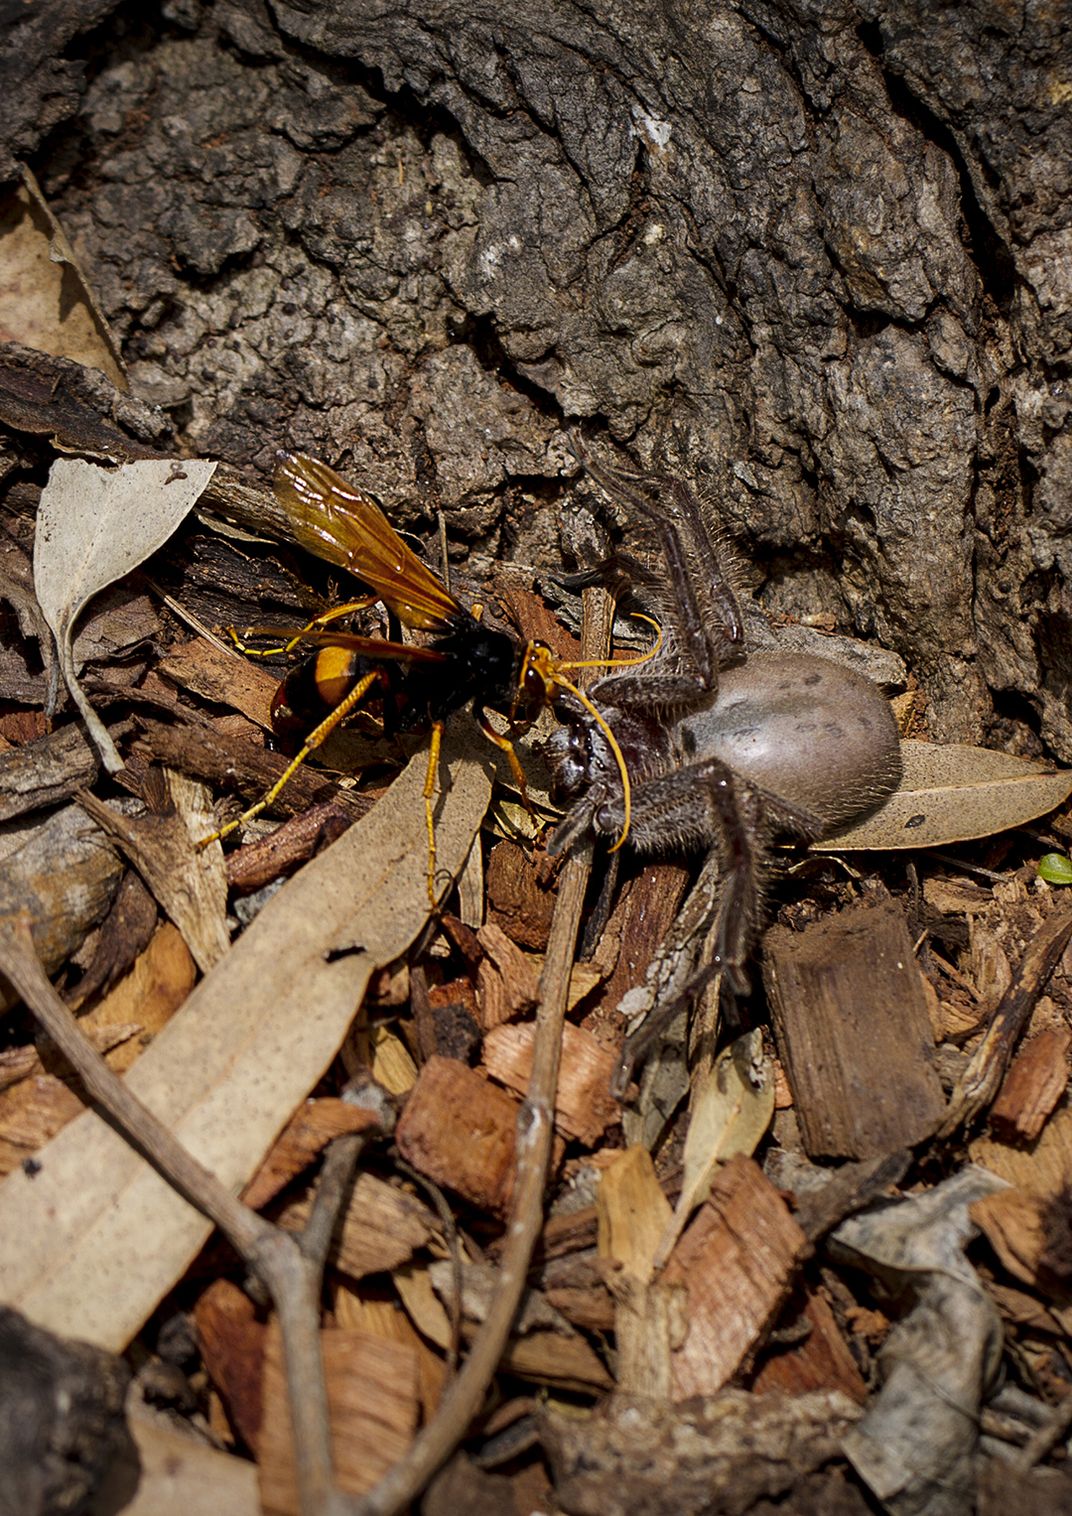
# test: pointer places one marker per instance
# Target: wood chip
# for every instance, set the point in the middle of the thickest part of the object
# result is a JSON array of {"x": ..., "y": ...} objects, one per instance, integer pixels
[
  {"x": 735, "y": 1265},
  {"x": 31, "y": 1114},
  {"x": 356, "y": 1306},
  {"x": 63, "y": 871},
  {"x": 1030, "y": 1236},
  {"x": 44, "y": 772},
  {"x": 1044, "y": 1169},
  {"x": 306, "y": 1134},
  {"x": 550, "y": 1353},
  {"x": 633, "y": 1217},
  {"x": 584, "y": 1105},
  {"x": 508, "y": 980},
  {"x": 374, "y": 1396},
  {"x": 224, "y": 677},
  {"x": 851, "y": 1019},
  {"x": 460, "y": 1130},
  {"x": 231, "y": 1340},
  {"x": 822, "y": 1361},
  {"x": 637, "y": 929},
  {"x": 381, "y": 1228},
  {"x": 1036, "y": 1081},
  {"x": 520, "y": 899},
  {"x": 633, "y": 1213},
  {"x": 156, "y": 985}
]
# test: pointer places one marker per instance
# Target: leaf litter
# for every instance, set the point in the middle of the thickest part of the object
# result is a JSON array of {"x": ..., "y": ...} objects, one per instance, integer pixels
[{"x": 694, "y": 1260}]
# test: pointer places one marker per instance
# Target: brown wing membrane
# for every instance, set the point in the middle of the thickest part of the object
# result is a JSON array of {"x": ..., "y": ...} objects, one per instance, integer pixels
[{"x": 343, "y": 525}]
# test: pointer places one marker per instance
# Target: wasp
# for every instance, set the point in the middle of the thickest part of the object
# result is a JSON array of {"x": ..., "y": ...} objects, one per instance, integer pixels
[{"x": 462, "y": 661}]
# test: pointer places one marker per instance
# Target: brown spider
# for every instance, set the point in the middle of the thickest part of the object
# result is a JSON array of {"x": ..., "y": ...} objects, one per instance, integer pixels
[{"x": 725, "y": 748}]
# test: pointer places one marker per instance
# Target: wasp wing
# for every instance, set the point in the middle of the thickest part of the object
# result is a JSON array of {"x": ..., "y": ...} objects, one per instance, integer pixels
[{"x": 343, "y": 525}]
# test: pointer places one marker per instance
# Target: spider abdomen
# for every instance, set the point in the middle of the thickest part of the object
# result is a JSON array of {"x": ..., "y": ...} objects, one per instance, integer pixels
[{"x": 807, "y": 730}]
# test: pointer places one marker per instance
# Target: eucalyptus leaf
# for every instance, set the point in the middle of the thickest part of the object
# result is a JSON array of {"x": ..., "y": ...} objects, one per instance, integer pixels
[
  {"x": 94, "y": 525},
  {"x": 952, "y": 794},
  {"x": 730, "y": 1110}
]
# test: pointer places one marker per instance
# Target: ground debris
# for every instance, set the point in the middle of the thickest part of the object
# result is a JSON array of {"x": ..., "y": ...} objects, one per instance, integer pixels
[
  {"x": 719, "y": 1454},
  {"x": 781, "y": 1272}
]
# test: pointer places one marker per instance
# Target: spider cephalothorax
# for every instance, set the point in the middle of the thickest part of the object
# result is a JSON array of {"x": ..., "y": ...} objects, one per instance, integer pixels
[{"x": 725, "y": 748}]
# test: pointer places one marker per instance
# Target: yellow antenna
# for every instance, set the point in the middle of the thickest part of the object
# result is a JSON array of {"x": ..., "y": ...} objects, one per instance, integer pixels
[{"x": 623, "y": 663}]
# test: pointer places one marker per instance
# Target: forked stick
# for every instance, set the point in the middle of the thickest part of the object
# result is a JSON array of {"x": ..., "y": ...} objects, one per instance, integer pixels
[{"x": 277, "y": 1258}]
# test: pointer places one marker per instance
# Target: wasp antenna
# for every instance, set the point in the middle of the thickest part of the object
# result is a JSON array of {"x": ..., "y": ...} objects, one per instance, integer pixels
[
  {"x": 612, "y": 742},
  {"x": 624, "y": 663}
]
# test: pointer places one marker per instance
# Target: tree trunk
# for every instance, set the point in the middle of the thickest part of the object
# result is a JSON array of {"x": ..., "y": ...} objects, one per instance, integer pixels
[{"x": 820, "y": 252}]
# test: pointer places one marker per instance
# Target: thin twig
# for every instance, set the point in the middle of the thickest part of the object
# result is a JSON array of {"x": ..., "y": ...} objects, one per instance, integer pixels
[
  {"x": 336, "y": 1176},
  {"x": 1046, "y": 1437},
  {"x": 464, "y": 1396},
  {"x": 454, "y": 1247},
  {"x": 980, "y": 1081},
  {"x": 535, "y": 1133},
  {"x": 275, "y": 1257}
]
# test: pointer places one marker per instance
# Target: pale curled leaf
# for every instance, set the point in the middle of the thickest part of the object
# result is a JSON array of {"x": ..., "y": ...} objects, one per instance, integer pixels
[
  {"x": 918, "y": 1437},
  {"x": 90, "y": 1242},
  {"x": 731, "y": 1109},
  {"x": 94, "y": 525},
  {"x": 952, "y": 794}
]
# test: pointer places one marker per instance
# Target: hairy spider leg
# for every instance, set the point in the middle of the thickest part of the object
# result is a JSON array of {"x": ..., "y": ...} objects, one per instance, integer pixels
[
  {"x": 710, "y": 586},
  {"x": 314, "y": 740},
  {"x": 317, "y": 624}
]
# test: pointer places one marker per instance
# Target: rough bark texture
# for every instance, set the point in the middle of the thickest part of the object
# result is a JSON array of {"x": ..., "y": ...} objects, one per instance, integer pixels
[{"x": 828, "y": 245}]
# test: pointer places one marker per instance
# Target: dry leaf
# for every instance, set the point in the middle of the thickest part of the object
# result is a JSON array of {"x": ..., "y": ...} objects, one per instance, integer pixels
[
  {"x": 91, "y": 1240},
  {"x": 731, "y": 1109},
  {"x": 46, "y": 300},
  {"x": 94, "y": 525},
  {"x": 916, "y": 1444},
  {"x": 374, "y": 1400},
  {"x": 952, "y": 794},
  {"x": 190, "y": 886},
  {"x": 174, "y": 1473}
]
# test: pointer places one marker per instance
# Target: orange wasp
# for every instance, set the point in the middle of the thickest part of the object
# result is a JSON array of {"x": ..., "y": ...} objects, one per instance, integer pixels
[{"x": 463, "y": 662}]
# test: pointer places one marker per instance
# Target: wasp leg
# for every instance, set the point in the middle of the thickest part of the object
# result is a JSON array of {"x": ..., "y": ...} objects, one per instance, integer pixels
[
  {"x": 317, "y": 624},
  {"x": 312, "y": 742},
  {"x": 504, "y": 745},
  {"x": 430, "y": 787}
]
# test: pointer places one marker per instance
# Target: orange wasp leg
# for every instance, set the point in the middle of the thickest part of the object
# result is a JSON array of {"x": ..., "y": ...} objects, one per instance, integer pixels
[
  {"x": 317, "y": 624},
  {"x": 430, "y": 787},
  {"x": 506, "y": 746},
  {"x": 312, "y": 742}
]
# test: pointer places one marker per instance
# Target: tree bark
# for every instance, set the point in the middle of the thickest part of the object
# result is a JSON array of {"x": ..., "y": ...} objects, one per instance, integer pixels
[{"x": 820, "y": 252}]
